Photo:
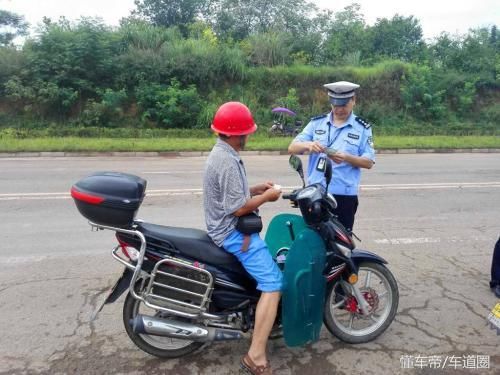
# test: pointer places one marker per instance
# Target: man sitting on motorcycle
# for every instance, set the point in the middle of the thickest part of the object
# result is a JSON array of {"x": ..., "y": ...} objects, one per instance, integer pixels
[{"x": 227, "y": 197}]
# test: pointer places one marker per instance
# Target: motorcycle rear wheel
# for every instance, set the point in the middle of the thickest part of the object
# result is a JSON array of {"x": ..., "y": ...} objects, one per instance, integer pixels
[
  {"x": 376, "y": 282},
  {"x": 162, "y": 347}
]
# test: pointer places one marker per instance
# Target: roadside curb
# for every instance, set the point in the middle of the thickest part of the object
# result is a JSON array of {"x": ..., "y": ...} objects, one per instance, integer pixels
[{"x": 177, "y": 154}]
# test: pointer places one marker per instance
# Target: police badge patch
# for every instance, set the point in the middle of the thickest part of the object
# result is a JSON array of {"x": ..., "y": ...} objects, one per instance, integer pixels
[{"x": 370, "y": 141}]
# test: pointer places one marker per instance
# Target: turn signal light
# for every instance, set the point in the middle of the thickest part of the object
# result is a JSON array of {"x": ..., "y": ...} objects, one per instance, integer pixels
[{"x": 353, "y": 278}]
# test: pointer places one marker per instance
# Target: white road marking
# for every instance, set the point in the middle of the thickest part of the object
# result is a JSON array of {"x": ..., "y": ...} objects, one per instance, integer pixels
[
  {"x": 32, "y": 258},
  {"x": 173, "y": 172},
  {"x": 442, "y": 185},
  {"x": 406, "y": 241},
  {"x": 198, "y": 191},
  {"x": 423, "y": 240}
]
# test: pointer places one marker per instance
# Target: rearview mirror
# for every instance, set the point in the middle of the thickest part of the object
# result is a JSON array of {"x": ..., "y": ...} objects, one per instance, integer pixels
[
  {"x": 328, "y": 172},
  {"x": 296, "y": 164}
]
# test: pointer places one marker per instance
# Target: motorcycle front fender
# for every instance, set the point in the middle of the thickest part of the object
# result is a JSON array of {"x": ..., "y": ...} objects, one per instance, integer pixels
[{"x": 359, "y": 256}]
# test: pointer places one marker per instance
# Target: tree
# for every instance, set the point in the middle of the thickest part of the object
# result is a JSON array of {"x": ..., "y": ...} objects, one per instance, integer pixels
[
  {"x": 269, "y": 49},
  {"x": 398, "y": 38},
  {"x": 66, "y": 64},
  {"x": 170, "y": 12},
  {"x": 238, "y": 19},
  {"x": 446, "y": 51},
  {"x": 494, "y": 37},
  {"x": 78, "y": 55},
  {"x": 11, "y": 26},
  {"x": 12, "y": 62},
  {"x": 476, "y": 53},
  {"x": 480, "y": 55},
  {"x": 142, "y": 35},
  {"x": 347, "y": 36}
]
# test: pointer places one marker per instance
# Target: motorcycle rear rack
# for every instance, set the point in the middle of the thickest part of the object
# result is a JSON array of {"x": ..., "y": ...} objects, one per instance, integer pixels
[{"x": 137, "y": 269}]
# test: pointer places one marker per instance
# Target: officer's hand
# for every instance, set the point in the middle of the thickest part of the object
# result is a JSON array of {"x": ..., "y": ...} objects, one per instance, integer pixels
[
  {"x": 338, "y": 157},
  {"x": 316, "y": 147},
  {"x": 272, "y": 195}
]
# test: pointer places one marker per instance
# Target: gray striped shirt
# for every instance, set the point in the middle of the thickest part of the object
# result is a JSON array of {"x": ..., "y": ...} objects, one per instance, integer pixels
[{"x": 225, "y": 190}]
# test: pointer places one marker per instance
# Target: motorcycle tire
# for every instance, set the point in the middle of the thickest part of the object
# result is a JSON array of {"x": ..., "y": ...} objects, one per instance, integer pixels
[
  {"x": 348, "y": 334},
  {"x": 154, "y": 345}
]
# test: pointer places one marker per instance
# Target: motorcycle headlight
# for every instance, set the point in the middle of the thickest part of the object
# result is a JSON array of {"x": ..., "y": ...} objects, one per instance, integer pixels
[{"x": 308, "y": 192}]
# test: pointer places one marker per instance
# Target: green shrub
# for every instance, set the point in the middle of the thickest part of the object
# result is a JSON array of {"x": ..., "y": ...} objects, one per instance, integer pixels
[
  {"x": 420, "y": 95},
  {"x": 490, "y": 115},
  {"x": 290, "y": 101},
  {"x": 196, "y": 61},
  {"x": 108, "y": 111},
  {"x": 169, "y": 106}
]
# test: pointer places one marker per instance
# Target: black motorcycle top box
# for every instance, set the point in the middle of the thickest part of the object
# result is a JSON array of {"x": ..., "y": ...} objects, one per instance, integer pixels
[{"x": 109, "y": 198}]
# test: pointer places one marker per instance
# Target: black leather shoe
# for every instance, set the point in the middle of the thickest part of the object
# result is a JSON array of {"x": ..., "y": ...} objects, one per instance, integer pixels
[{"x": 496, "y": 290}]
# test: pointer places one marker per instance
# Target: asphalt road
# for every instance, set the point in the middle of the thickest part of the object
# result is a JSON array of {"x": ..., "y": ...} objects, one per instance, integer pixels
[{"x": 434, "y": 217}]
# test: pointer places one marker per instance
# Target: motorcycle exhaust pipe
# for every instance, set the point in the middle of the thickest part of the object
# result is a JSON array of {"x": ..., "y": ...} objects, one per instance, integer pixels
[{"x": 181, "y": 330}]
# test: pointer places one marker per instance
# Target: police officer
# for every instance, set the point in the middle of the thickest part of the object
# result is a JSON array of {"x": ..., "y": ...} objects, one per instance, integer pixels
[{"x": 344, "y": 138}]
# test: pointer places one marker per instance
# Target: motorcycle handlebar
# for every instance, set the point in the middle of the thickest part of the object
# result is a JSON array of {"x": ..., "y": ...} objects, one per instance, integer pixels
[{"x": 291, "y": 196}]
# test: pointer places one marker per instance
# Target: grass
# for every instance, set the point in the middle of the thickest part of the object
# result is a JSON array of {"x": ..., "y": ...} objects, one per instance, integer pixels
[{"x": 258, "y": 142}]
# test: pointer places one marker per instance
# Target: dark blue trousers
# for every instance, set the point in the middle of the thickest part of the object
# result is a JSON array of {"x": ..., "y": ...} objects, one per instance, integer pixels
[
  {"x": 495, "y": 266},
  {"x": 347, "y": 205}
]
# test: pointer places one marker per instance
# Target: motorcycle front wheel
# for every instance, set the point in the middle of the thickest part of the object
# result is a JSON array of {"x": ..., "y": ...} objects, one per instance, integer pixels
[
  {"x": 342, "y": 314},
  {"x": 162, "y": 347}
]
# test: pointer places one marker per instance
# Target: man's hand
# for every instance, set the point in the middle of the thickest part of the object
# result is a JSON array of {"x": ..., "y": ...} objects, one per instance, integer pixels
[
  {"x": 316, "y": 147},
  {"x": 272, "y": 194},
  {"x": 261, "y": 188}
]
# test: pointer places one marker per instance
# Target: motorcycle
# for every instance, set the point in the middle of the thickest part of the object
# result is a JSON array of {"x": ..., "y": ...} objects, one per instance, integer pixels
[
  {"x": 183, "y": 291},
  {"x": 281, "y": 125}
]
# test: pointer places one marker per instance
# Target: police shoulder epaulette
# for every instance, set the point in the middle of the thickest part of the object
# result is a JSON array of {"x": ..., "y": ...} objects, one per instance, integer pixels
[
  {"x": 363, "y": 122},
  {"x": 318, "y": 117}
]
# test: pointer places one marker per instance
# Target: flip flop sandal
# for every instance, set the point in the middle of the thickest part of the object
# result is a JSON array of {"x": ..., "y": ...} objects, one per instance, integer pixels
[{"x": 251, "y": 368}]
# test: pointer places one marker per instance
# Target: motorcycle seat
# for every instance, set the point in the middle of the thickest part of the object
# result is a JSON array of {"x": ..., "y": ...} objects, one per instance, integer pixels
[{"x": 193, "y": 243}]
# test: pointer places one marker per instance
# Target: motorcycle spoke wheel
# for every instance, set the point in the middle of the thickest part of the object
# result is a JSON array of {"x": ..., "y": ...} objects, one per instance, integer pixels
[
  {"x": 162, "y": 347},
  {"x": 343, "y": 315}
]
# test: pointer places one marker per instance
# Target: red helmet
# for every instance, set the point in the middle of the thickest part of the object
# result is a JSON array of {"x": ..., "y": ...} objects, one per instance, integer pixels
[{"x": 233, "y": 118}]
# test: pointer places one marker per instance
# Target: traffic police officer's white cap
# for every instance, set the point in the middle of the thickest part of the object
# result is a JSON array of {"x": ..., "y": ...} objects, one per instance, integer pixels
[{"x": 341, "y": 92}]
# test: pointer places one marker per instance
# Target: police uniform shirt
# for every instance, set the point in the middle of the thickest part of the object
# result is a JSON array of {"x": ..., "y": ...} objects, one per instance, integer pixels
[{"x": 353, "y": 137}]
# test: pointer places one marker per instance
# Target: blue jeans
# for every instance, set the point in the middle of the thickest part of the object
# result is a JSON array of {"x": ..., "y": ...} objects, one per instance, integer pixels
[{"x": 257, "y": 261}]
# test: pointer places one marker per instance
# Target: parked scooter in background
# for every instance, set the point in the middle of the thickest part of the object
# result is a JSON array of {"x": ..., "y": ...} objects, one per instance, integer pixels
[{"x": 284, "y": 123}]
